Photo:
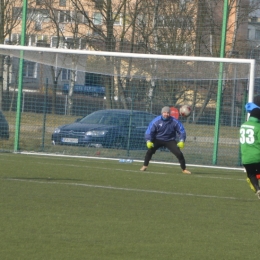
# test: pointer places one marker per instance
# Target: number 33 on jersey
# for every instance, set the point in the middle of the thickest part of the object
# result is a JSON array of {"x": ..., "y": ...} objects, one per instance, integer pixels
[
  {"x": 247, "y": 134},
  {"x": 250, "y": 141}
]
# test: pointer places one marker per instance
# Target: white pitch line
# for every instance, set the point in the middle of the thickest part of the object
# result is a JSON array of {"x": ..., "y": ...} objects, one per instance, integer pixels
[
  {"x": 130, "y": 189},
  {"x": 141, "y": 172},
  {"x": 117, "y": 159}
]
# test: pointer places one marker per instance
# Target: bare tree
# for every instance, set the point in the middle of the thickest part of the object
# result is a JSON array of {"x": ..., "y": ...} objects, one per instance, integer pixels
[
  {"x": 103, "y": 35},
  {"x": 9, "y": 20},
  {"x": 163, "y": 27}
]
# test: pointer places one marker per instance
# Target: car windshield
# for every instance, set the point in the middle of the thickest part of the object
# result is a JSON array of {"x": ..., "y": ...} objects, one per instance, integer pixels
[
  {"x": 106, "y": 119},
  {"x": 139, "y": 119}
]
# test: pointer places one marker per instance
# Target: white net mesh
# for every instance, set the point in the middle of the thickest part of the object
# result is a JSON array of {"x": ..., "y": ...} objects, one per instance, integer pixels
[
  {"x": 63, "y": 85},
  {"x": 133, "y": 65}
]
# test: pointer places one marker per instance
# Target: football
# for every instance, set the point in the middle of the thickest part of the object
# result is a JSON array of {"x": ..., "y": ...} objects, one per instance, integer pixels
[{"x": 185, "y": 110}]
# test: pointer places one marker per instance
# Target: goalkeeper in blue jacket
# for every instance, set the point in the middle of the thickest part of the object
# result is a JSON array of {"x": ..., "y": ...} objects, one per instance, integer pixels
[{"x": 165, "y": 131}]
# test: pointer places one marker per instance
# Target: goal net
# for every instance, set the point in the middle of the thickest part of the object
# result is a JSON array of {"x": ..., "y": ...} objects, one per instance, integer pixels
[{"x": 44, "y": 89}]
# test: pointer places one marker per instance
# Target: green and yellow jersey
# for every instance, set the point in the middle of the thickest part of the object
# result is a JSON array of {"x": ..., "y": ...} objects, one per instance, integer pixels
[{"x": 250, "y": 141}]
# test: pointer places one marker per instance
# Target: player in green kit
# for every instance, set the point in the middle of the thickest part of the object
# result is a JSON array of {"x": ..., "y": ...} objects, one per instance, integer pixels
[{"x": 250, "y": 146}]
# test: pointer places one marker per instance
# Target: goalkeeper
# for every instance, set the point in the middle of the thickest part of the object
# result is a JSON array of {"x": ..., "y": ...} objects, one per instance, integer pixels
[{"x": 164, "y": 131}]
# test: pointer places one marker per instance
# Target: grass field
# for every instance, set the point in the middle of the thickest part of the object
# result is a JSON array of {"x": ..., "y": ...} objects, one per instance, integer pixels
[{"x": 79, "y": 208}]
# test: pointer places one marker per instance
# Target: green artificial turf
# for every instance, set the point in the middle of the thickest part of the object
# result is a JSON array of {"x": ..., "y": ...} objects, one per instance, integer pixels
[{"x": 76, "y": 208}]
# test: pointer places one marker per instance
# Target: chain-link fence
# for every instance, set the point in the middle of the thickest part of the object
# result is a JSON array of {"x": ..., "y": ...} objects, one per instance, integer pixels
[{"x": 116, "y": 110}]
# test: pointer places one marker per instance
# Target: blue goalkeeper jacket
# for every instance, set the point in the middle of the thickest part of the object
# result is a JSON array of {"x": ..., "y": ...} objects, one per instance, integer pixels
[{"x": 165, "y": 130}]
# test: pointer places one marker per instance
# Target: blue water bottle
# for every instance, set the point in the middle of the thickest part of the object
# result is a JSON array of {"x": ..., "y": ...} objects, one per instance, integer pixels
[{"x": 125, "y": 161}]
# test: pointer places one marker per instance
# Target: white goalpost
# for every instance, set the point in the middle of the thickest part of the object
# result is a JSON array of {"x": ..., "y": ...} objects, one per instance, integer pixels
[{"x": 141, "y": 82}]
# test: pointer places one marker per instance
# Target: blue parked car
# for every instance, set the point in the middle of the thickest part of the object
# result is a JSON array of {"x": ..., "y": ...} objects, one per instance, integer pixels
[{"x": 111, "y": 128}]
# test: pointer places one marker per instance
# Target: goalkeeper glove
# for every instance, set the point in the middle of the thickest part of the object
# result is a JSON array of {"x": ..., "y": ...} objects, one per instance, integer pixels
[
  {"x": 149, "y": 144},
  {"x": 180, "y": 144}
]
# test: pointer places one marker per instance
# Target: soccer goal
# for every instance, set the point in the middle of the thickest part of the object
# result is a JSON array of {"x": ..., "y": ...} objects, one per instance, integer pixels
[{"x": 45, "y": 88}]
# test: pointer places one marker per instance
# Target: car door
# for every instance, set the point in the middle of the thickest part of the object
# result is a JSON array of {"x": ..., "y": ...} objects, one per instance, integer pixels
[{"x": 139, "y": 124}]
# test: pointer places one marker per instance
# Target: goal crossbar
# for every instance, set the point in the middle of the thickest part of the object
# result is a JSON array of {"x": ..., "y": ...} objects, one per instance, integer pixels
[{"x": 150, "y": 65}]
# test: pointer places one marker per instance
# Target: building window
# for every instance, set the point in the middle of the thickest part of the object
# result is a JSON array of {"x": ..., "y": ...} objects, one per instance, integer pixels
[
  {"x": 141, "y": 20},
  {"x": 39, "y": 2},
  {"x": 15, "y": 38},
  {"x": 17, "y": 13},
  {"x": 71, "y": 43},
  {"x": 31, "y": 40},
  {"x": 30, "y": 69},
  {"x": 85, "y": 17},
  {"x": 65, "y": 74},
  {"x": 185, "y": 22},
  {"x": 92, "y": 79},
  {"x": 38, "y": 26},
  {"x": 77, "y": 17},
  {"x": 187, "y": 49},
  {"x": 42, "y": 15},
  {"x": 32, "y": 14},
  {"x": 160, "y": 21},
  {"x": 182, "y": 5},
  {"x": 61, "y": 27},
  {"x": 68, "y": 16},
  {"x": 63, "y": 2},
  {"x": 63, "y": 16},
  {"x": 118, "y": 19},
  {"x": 83, "y": 44},
  {"x": 257, "y": 34},
  {"x": 97, "y": 18},
  {"x": 55, "y": 40}
]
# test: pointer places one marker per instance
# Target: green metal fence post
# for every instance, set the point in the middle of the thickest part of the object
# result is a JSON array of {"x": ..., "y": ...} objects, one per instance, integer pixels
[
  {"x": 219, "y": 95},
  {"x": 20, "y": 80}
]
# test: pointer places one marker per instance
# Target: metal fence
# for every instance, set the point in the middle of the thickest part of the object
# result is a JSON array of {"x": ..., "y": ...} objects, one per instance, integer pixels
[{"x": 38, "y": 123}]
